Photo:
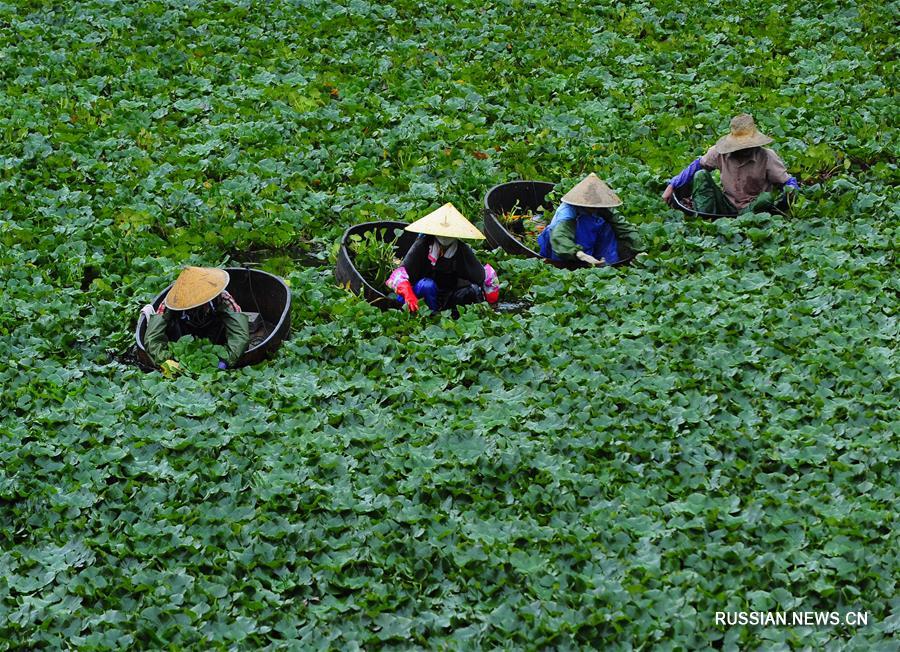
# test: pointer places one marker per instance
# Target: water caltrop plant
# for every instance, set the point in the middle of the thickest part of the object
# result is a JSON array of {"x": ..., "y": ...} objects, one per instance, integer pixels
[
  {"x": 711, "y": 429},
  {"x": 374, "y": 256}
]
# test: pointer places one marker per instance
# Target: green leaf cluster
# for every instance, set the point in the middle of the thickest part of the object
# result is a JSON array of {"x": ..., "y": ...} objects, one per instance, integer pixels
[
  {"x": 197, "y": 355},
  {"x": 374, "y": 256}
]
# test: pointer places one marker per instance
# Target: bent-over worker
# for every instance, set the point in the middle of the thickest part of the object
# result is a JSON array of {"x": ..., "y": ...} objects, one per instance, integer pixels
[
  {"x": 750, "y": 173},
  {"x": 198, "y": 305},
  {"x": 441, "y": 269},
  {"x": 584, "y": 228}
]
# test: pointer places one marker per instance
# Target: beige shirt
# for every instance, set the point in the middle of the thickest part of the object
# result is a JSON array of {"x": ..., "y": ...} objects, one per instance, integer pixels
[{"x": 744, "y": 180}]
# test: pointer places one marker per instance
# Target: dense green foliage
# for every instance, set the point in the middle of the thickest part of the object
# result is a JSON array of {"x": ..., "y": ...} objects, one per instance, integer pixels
[{"x": 712, "y": 430}]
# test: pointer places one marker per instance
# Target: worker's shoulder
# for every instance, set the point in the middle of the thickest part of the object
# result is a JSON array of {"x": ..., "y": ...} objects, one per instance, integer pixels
[
  {"x": 711, "y": 157},
  {"x": 421, "y": 242}
]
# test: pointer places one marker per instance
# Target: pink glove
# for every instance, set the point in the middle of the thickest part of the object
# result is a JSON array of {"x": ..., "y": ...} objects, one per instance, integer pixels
[
  {"x": 491, "y": 285},
  {"x": 405, "y": 290}
]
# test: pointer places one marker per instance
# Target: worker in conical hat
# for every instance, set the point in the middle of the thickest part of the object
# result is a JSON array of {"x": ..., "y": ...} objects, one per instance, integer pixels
[
  {"x": 197, "y": 305},
  {"x": 441, "y": 269},
  {"x": 585, "y": 228},
  {"x": 750, "y": 174}
]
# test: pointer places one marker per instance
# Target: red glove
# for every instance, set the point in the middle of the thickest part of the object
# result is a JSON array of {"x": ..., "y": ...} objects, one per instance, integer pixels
[
  {"x": 492, "y": 297},
  {"x": 405, "y": 290}
]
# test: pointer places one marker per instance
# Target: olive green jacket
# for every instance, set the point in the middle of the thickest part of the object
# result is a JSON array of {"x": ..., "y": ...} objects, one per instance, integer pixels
[{"x": 236, "y": 331}]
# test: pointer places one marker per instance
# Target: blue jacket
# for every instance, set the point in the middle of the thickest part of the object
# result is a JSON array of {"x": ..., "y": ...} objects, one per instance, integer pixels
[{"x": 593, "y": 234}]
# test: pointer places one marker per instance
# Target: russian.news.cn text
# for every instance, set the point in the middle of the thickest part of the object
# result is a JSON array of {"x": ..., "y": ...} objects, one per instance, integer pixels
[{"x": 791, "y": 618}]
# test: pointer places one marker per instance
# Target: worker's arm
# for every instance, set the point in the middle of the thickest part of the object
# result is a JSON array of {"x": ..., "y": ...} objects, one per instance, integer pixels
[
  {"x": 156, "y": 341},
  {"x": 468, "y": 266},
  {"x": 562, "y": 240},
  {"x": 627, "y": 237},
  {"x": 712, "y": 160},
  {"x": 237, "y": 335}
]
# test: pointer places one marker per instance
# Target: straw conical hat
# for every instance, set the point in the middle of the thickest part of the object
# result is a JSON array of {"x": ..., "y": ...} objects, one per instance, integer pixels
[
  {"x": 743, "y": 134},
  {"x": 195, "y": 286},
  {"x": 447, "y": 222},
  {"x": 591, "y": 192}
]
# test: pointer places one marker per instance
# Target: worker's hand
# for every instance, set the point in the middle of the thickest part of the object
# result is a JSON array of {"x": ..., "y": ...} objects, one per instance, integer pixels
[
  {"x": 148, "y": 311},
  {"x": 405, "y": 290},
  {"x": 667, "y": 194},
  {"x": 492, "y": 297},
  {"x": 587, "y": 258}
]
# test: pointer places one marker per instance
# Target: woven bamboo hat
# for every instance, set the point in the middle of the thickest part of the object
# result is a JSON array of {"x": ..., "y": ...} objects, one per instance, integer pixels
[
  {"x": 744, "y": 134},
  {"x": 592, "y": 192},
  {"x": 447, "y": 222},
  {"x": 195, "y": 286}
]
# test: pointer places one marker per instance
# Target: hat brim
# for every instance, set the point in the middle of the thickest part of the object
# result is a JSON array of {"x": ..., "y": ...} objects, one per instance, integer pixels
[
  {"x": 446, "y": 222},
  {"x": 461, "y": 234},
  {"x": 582, "y": 203},
  {"x": 592, "y": 192},
  {"x": 728, "y": 144},
  {"x": 196, "y": 294}
]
